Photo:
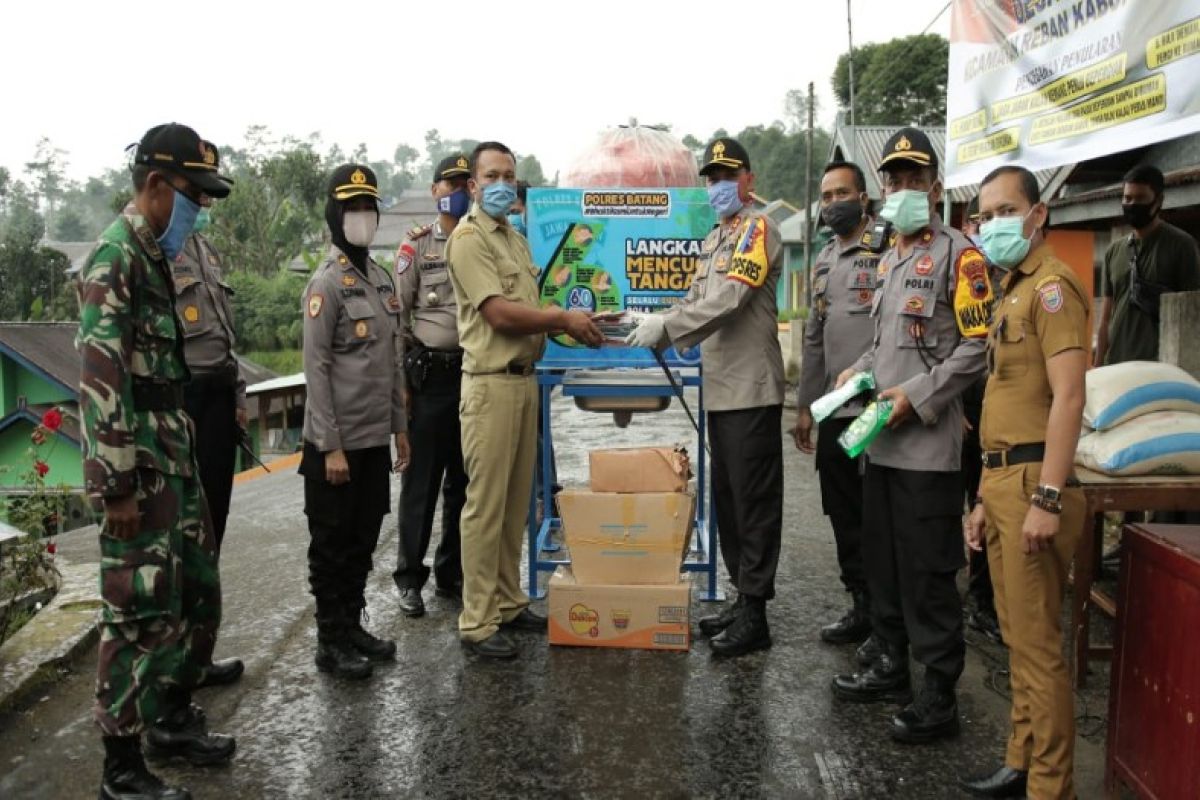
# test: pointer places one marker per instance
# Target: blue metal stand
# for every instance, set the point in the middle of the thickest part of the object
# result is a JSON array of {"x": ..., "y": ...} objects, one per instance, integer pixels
[{"x": 544, "y": 539}]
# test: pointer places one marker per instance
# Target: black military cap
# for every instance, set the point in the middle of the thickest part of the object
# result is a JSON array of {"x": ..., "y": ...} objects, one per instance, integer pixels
[
  {"x": 217, "y": 161},
  {"x": 452, "y": 166},
  {"x": 353, "y": 180},
  {"x": 973, "y": 209},
  {"x": 908, "y": 144},
  {"x": 179, "y": 149},
  {"x": 725, "y": 152}
]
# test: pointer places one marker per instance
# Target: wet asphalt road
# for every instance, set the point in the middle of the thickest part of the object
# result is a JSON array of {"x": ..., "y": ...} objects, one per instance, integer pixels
[{"x": 556, "y": 723}]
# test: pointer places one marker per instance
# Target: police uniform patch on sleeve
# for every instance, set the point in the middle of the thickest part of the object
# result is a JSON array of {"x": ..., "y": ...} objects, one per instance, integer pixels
[
  {"x": 750, "y": 256},
  {"x": 404, "y": 257},
  {"x": 973, "y": 297},
  {"x": 1050, "y": 294},
  {"x": 315, "y": 302}
]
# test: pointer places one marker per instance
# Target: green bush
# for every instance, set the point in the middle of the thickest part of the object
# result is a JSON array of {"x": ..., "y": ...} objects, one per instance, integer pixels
[
  {"x": 267, "y": 310},
  {"x": 281, "y": 362},
  {"x": 790, "y": 314}
]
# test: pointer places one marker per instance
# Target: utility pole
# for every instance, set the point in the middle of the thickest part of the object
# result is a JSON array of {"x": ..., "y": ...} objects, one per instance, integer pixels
[
  {"x": 808, "y": 203},
  {"x": 850, "y": 39}
]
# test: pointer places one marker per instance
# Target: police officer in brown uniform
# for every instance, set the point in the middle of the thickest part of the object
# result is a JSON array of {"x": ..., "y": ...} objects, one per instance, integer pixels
[
  {"x": 730, "y": 311},
  {"x": 1032, "y": 415},
  {"x": 839, "y": 330},
  {"x": 355, "y": 410},
  {"x": 503, "y": 333},
  {"x": 433, "y": 372},
  {"x": 215, "y": 397},
  {"x": 931, "y": 309}
]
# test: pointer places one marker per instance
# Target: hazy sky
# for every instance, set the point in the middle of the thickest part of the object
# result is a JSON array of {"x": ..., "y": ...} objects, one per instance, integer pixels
[{"x": 543, "y": 77}]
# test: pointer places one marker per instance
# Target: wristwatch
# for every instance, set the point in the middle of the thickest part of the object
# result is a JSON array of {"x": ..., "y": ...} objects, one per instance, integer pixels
[
  {"x": 1047, "y": 498},
  {"x": 1051, "y": 493}
]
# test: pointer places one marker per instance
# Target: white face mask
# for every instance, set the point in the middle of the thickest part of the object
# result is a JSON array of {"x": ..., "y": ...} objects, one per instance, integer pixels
[{"x": 360, "y": 227}]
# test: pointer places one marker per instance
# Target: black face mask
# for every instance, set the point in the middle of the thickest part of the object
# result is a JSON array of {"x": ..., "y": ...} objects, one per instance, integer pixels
[
  {"x": 842, "y": 216},
  {"x": 1139, "y": 215}
]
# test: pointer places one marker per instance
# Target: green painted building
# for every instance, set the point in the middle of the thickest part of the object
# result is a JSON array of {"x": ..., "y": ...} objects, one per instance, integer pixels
[{"x": 39, "y": 370}]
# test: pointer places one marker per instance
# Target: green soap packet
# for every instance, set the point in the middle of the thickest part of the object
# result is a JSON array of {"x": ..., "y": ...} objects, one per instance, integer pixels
[
  {"x": 859, "y": 435},
  {"x": 825, "y": 405}
]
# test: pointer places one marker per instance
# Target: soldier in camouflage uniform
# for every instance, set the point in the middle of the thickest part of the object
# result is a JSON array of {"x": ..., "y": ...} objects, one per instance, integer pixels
[{"x": 158, "y": 572}]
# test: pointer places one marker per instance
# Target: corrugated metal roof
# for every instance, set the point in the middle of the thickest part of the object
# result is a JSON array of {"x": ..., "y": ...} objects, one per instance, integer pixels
[{"x": 49, "y": 346}]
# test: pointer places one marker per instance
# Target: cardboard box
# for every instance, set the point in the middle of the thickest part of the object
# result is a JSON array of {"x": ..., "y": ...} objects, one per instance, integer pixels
[
  {"x": 639, "y": 469},
  {"x": 627, "y": 538},
  {"x": 607, "y": 615}
]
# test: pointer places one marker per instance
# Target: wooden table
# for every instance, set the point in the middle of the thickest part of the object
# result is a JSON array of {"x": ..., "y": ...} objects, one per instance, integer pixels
[
  {"x": 1154, "y": 706},
  {"x": 1105, "y": 493}
]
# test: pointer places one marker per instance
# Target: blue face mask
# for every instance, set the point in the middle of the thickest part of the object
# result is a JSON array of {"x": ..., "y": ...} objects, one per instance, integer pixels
[
  {"x": 907, "y": 210},
  {"x": 455, "y": 204},
  {"x": 1004, "y": 241},
  {"x": 497, "y": 198},
  {"x": 517, "y": 221},
  {"x": 183, "y": 218},
  {"x": 723, "y": 197}
]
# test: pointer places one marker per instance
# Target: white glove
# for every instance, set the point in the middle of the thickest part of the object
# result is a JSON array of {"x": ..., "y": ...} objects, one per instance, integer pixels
[{"x": 648, "y": 333}]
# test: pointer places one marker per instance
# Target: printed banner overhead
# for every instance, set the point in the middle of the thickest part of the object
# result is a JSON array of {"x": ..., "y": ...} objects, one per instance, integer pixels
[
  {"x": 611, "y": 250},
  {"x": 1045, "y": 83}
]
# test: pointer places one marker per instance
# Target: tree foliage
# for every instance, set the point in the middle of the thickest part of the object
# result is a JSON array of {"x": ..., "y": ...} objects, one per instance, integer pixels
[
  {"x": 33, "y": 277},
  {"x": 899, "y": 82}
]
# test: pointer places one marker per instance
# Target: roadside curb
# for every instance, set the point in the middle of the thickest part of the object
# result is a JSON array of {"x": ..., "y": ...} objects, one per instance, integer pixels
[
  {"x": 276, "y": 465},
  {"x": 54, "y": 637}
]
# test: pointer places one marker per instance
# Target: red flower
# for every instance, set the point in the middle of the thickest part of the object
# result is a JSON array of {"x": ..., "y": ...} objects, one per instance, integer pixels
[
  {"x": 41, "y": 468},
  {"x": 52, "y": 419},
  {"x": 38, "y": 436},
  {"x": 51, "y": 548}
]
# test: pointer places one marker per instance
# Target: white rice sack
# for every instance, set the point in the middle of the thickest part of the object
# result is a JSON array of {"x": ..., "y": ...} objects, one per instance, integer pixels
[
  {"x": 1160, "y": 443},
  {"x": 1121, "y": 392}
]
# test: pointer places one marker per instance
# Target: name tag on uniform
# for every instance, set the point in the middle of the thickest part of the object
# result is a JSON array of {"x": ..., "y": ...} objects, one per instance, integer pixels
[{"x": 353, "y": 291}]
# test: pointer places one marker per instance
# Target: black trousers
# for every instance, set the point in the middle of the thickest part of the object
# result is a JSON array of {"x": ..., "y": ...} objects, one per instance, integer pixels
[
  {"x": 979, "y": 575},
  {"x": 842, "y": 500},
  {"x": 212, "y": 405},
  {"x": 436, "y": 466},
  {"x": 343, "y": 524},
  {"x": 912, "y": 548},
  {"x": 747, "y": 485}
]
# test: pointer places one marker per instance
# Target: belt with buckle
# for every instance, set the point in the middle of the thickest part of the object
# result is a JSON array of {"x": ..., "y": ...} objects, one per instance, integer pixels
[
  {"x": 523, "y": 370},
  {"x": 1019, "y": 454}
]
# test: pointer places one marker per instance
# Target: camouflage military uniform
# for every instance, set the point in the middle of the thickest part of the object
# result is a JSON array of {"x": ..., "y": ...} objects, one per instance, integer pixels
[{"x": 161, "y": 589}]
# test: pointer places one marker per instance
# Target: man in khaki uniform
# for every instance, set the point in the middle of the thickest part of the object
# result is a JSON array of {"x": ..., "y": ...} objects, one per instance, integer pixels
[
  {"x": 931, "y": 308},
  {"x": 1032, "y": 415},
  {"x": 433, "y": 375},
  {"x": 839, "y": 329},
  {"x": 215, "y": 396},
  {"x": 502, "y": 332},
  {"x": 730, "y": 311}
]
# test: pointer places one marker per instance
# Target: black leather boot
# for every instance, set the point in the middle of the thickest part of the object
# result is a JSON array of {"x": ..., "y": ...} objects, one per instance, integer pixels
[
  {"x": 126, "y": 777},
  {"x": 749, "y": 631},
  {"x": 933, "y": 715},
  {"x": 337, "y": 656},
  {"x": 853, "y": 627},
  {"x": 183, "y": 733},
  {"x": 885, "y": 681},
  {"x": 1004, "y": 782},
  {"x": 220, "y": 673},
  {"x": 868, "y": 652},
  {"x": 374, "y": 648},
  {"x": 714, "y": 624}
]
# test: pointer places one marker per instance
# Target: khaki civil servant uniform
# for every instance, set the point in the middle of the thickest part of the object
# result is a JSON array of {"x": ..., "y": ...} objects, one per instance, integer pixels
[
  {"x": 1044, "y": 312},
  {"x": 498, "y": 411}
]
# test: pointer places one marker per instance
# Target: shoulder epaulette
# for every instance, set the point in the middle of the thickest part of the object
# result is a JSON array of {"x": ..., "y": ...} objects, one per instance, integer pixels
[{"x": 419, "y": 231}]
